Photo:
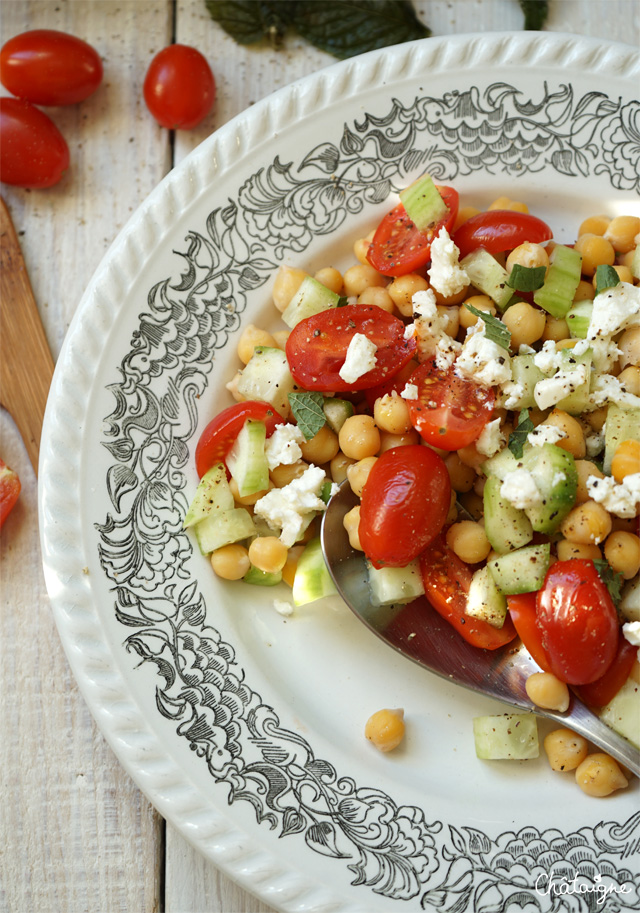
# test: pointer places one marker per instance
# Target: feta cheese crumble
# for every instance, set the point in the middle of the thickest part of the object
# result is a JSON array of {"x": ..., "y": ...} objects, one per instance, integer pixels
[
  {"x": 619, "y": 498},
  {"x": 491, "y": 439},
  {"x": 546, "y": 434},
  {"x": 446, "y": 275},
  {"x": 520, "y": 489},
  {"x": 608, "y": 389},
  {"x": 360, "y": 358},
  {"x": 551, "y": 390},
  {"x": 410, "y": 391},
  {"x": 290, "y": 509},
  {"x": 282, "y": 607},
  {"x": 631, "y": 632},
  {"x": 483, "y": 360},
  {"x": 283, "y": 447},
  {"x": 430, "y": 329},
  {"x": 614, "y": 310}
]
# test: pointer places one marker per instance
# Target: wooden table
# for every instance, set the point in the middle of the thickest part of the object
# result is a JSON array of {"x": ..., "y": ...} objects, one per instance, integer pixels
[{"x": 75, "y": 832}]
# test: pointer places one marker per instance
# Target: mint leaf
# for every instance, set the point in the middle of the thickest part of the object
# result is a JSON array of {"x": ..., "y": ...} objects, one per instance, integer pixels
[
  {"x": 606, "y": 277},
  {"x": 526, "y": 278},
  {"x": 535, "y": 14},
  {"x": 496, "y": 330},
  {"x": 308, "y": 410},
  {"x": 611, "y": 579},
  {"x": 249, "y": 21},
  {"x": 343, "y": 301},
  {"x": 345, "y": 28},
  {"x": 518, "y": 437}
]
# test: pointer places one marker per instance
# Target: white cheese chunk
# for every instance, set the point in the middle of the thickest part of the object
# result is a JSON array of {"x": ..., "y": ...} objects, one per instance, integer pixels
[
  {"x": 282, "y": 607},
  {"x": 360, "y": 358},
  {"x": 614, "y": 310},
  {"x": 511, "y": 396},
  {"x": 446, "y": 275},
  {"x": 520, "y": 489},
  {"x": 410, "y": 391},
  {"x": 491, "y": 439},
  {"x": 546, "y": 434},
  {"x": 283, "y": 447},
  {"x": 548, "y": 359},
  {"x": 291, "y": 508},
  {"x": 430, "y": 326},
  {"x": 607, "y": 389},
  {"x": 551, "y": 390},
  {"x": 619, "y": 498},
  {"x": 483, "y": 360}
]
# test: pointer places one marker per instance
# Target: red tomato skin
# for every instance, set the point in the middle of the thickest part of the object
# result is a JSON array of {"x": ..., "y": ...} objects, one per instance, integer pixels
[
  {"x": 33, "y": 152},
  {"x": 398, "y": 247},
  {"x": 179, "y": 88},
  {"x": 217, "y": 439},
  {"x": 578, "y": 622},
  {"x": 446, "y": 581},
  {"x": 500, "y": 229},
  {"x": 48, "y": 67},
  {"x": 522, "y": 611},
  {"x": 404, "y": 505},
  {"x": 600, "y": 692},
  {"x": 9, "y": 490},
  {"x": 462, "y": 408},
  {"x": 317, "y": 346}
]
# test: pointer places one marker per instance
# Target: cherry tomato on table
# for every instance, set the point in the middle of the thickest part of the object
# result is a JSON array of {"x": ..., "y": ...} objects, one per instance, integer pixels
[
  {"x": 450, "y": 411},
  {"x": 217, "y": 438},
  {"x": 33, "y": 152},
  {"x": 405, "y": 502},
  {"x": 578, "y": 622},
  {"x": 446, "y": 581},
  {"x": 179, "y": 88},
  {"x": 398, "y": 247},
  {"x": 317, "y": 347},
  {"x": 48, "y": 67},
  {"x": 498, "y": 230},
  {"x": 9, "y": 491}
]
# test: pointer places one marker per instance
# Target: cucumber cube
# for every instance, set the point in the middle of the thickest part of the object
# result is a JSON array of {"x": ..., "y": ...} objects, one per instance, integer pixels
[
  {"x": 394, "y": 585},
  {"x": 511, "y": 736},
  {"x": 487, "y": 275},
  {"x": 222, "y": 529},
  {"x": 311, "y": 298},
  {"x": 247, "y": 461},
  {"x": 484, "y": 600},
  {"x": 312, "y": 580},
  {"x": 212, "y": 496},
  {"x": 521, "y": 571}
]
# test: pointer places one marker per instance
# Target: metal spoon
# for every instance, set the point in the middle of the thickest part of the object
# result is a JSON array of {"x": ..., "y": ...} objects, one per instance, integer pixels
[{"x": 419, "y": 633}]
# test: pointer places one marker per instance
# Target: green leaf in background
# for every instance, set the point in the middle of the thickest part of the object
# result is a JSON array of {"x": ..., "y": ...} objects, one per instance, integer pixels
[
  {"x": 606, "y": 277},
  {"x": 345, "y": 28},
  {"x": 496, "y": 330},
  {"x": 308, "y": 410},
  {"x": 518, "y": 437},
  {"x": 535, "y": 14},
  {"x": 249, "y": 21}
]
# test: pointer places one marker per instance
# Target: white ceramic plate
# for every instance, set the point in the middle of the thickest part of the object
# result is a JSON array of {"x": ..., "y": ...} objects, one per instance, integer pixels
[{"x": 244, "y": 728}]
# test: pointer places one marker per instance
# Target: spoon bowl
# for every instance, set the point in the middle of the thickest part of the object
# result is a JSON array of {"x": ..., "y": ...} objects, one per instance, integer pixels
[{"x": 418, "y": 632}]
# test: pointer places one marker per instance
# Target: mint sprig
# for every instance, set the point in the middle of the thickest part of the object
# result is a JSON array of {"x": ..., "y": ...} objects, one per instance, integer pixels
[
  {"x": 518, "y": 437},
  {"x": 526, "y": 278},
  {"x": 606, "y": 277},
  {"x": 496, "y": 330},
  {"x": 611, "y": 579},
  {"x": 308, "y": 411}
]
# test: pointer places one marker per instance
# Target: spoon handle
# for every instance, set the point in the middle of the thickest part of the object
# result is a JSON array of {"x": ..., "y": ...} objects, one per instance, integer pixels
[{"x": 26, "y": 365}]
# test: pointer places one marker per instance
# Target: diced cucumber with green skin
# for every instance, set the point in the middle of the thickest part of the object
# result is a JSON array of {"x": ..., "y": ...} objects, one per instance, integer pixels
[
  {"x": 337, "y": 412},
  {"x": 622, "y": 713},
  {"x": 311, "y": 298},
  {"x": 629, "y": 607},
  {"x": 484, "y": 599},
  {"x": 262, "y": 578},
  {"x": 506, "y": 527},
  {"x": 486, "y": 274},
  {"x": 524, "y": 371},
  {"x": 267, "y": 377},
  {"x": 575, "y": 403},
  {"x": 564, "y": 273},
  {"x": 247, "y": 461},
  {"x": 556, "y": 478},
  {"x": 212, "y": 496},
  {"x": 501, "y": 464},
  {"x": 312, "y": 580},
  {"x": 394, "y": 585},
  {"x": 511, "y": 737},
  {"x": 623, "y": 424},
  {"x": 423, "y": 203},
  {"x": 578, "y": 319},
  {"x": 223, "y": 529},
  {"x": 521, "y": 571}
]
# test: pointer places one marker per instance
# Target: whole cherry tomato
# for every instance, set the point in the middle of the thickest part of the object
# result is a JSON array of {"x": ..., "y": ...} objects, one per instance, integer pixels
[
  {"x": 405, "y": 502},
  {"x": 398, "y": 247},
  {"x": 47, "y": 67},
  {"x": 578, "y": 622},
  {"x": 33, "y": 152},
  {"x": 9, "y": 491},
  {"x": 450, "y": 411},
  {"x": 317, "y": 347},
  {"x": 179, "y": 88},
  {"x": 218, "y": 437},
  {"x": 500, "y": 229}
]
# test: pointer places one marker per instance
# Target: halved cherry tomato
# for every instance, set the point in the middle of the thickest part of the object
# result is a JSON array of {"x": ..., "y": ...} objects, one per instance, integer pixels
[
  {"x": 446, "y": 581},
  {"x": 9, "y": 491},
  {"x": 605, "y": 688},
  {"x": 317, "y": 347},
  {"x": 217, "y": 438},
  {"x": 500, "y": 229},
  {"x": 578, "y": 622},
  {"x": 450, "y": 411},
  {"x": 398, "y": 247},
  {"x": 33, "y": 152},
  {"x": 522, "y": 609},
  {"x": 405, "y": 502}
]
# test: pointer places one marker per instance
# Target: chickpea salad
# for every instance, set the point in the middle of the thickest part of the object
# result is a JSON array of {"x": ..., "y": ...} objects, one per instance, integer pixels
[{"x": 477, "y": 385}]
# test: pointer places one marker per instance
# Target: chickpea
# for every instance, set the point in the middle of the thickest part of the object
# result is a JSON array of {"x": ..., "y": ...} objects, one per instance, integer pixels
[
  {"x": 361, "y": 248},
  {"x": 451, "y": 315},
  {"x": 630, "y": 379},
  {"x": 285, "y": 473},
  {"x": 268, "y": 554},
  {"x": 461, "y": 476},
  {"x": 287, "y": 282},
  {"x": 596, "y": 418},
  {"x": 232, "y": 387},
  {"x": 624, "y": 274},
  {"x": 529, "y": 255},
  {"x": 472, "y": 503},
  {"x": 596, "y": 251},
  {"x": 377, "y": 296},
  {"x": 506, "y": 203},
  {"x": 351, "y": 521},
  {"x": 358, "y": 278},
  {"x": 469, "y": 541},
  {"x": 629, "y": 345},
  {"x": 626, "y": 460},
  {"x": 231, "y": 562},
  {"x": 622, "y": 551},
  {"x": 280, "y": 338},
  {"x": 555, "y": 328},
  {"x": 594, "y": 225},
  {"x": 464, "y": 214},
  {"x": 339, "y": 466},
  {"x": 588, "y": 523},
  {"x": 585, "y": 468},
  {"x": 358, "y": 473},
  {"x": 451, "y": 300},
  {"x": 471, "y": 456},
  {"x": 574, "y": 442},
  {"x": 547, "y": 691},
  {"x": 290, "y": 565},
  {"x": 480, "y": 303},
  {"x": 389, "y": 440},
  {"x": 585, "y": 291},
  {"x": 526, "y": 323},
  {"x": 251, "y": 337},
  {"x": 391, "y": 413},
  {"x": 245, "y": 500},
  {"x": 359, "y": 437},
  {"x": 385, "y": 729},
  {"x": 599, "y": 775},
  {"x": 565, "y": 550},
  {"x": 331, "y": 278},
  {"x": 621, "y": 232},
  {"x": 565, "y": 749},
  {"x": 452, "y": 514},
  {"x": 322, "y": 447},
  {"x": 403, "y": 289}
]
